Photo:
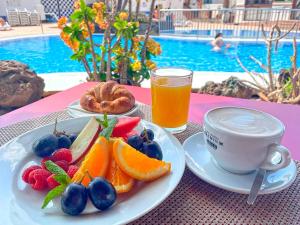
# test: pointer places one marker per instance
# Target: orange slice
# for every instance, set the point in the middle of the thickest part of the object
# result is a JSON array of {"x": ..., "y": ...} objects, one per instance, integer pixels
[
  {"x": 120, "y": 180},
  {"x": 138, "y": 165},
  {"x": 95, "y": 162}
]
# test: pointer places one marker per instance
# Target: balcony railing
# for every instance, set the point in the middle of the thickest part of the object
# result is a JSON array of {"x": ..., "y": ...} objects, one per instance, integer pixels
[{"x": 233, "y": 23}]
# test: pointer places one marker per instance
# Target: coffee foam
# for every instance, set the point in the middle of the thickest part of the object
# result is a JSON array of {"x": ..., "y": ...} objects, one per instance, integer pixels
[{"x": 244, "y": 121}]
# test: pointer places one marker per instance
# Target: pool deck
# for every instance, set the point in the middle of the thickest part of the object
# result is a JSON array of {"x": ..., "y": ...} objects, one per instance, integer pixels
[
  {"x": 45, "y": 28},
  {"x": 63, "y": 81}
]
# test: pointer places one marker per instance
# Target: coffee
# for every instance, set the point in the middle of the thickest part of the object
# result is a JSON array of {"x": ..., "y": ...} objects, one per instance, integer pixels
[
  {"x": 243, "y": 140},
  {"x": 244, "y": 121}
]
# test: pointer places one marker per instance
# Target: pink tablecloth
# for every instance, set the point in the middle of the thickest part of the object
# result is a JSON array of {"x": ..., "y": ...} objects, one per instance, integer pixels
[{"x": 289, "y": 114}]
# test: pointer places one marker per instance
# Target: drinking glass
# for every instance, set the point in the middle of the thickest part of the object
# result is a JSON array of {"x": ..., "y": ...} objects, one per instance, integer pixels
[{"x": 170, "y": 91}]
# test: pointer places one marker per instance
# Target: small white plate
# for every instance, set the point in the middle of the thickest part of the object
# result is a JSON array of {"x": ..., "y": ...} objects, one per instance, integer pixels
[
  {"x": 201, "y": 163},
  {"x": 75, "y": 111},
  {"x": 19, "y": 204}
]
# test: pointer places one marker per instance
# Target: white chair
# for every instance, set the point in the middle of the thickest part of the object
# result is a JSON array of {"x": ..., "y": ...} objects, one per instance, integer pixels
[
  {"x": 35, "y": 18},
  {"x": 24, "y": 16},
  {"x": 13, "y": 17}
]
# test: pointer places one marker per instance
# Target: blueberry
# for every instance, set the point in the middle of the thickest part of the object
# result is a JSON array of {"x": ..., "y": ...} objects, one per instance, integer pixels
[
  {"x": 135, "y": 141},
  {"x": 74, "y": 199},
  {"x": 45, "y": 146},
  {"x": 152, "y": 150},
  {"x": 73, "y": 137},
  {"x": 64, "y": 141},
  {"x": 102, "y": 193},
  {"x": 150, "y": 135}
]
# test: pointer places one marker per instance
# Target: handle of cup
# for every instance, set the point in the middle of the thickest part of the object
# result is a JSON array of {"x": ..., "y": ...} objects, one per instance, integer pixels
[{"x": 285, "y": 157}]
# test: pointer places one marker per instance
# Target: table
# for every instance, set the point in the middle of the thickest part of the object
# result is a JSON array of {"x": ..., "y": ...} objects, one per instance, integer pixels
[
  {"x": 199, "y": 105},
  {"x": 193, "y": 201}
]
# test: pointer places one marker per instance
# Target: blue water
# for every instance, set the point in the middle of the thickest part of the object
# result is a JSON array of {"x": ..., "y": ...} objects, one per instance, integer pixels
[{"x": 49, "y": 54}]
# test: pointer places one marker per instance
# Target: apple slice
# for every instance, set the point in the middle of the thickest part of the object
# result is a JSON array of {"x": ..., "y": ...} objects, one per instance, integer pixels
[{"x": 85, "y": 140}]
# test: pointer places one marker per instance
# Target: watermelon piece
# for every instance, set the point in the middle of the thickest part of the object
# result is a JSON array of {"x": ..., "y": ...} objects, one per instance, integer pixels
[
  {"x": 125, "y": 125},
  {"x": 131, "y": 133}
]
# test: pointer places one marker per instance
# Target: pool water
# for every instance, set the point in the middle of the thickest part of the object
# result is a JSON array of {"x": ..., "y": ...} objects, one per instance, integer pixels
[
  {"x": 240, "y": 33},
  {"x": 49, "y": 54}
]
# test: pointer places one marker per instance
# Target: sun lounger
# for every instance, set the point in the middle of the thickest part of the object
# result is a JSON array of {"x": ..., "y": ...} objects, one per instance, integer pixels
[
  {"x": 24, "y": 16},
  {"x": 35, "y": 18},
  {"x": 6, "y": 26},
  {"x": 13, "y": 17}
]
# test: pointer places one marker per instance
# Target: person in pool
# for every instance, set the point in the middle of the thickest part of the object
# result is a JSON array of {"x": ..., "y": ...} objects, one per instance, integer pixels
[{"x": 218, "y": 43}]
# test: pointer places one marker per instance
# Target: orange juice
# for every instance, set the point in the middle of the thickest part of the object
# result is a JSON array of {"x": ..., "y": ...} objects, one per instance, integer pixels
[{"x": 170, "y": 102}]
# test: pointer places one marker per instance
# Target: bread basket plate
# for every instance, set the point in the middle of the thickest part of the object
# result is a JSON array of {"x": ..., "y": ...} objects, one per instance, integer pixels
[
  {"x": 75, "y": 111},
  {"x": 22, "y": 205}
]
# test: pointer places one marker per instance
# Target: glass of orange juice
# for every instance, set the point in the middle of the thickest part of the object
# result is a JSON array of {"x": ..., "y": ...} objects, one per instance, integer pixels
[{"x": 170, "y": 91}]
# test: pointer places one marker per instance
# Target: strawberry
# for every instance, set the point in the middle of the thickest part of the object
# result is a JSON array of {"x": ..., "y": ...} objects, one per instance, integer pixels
[
  {"x": 38, "y": 179},
  {"x": 72, "y": 170},
  {"x": 62, "y": 154},
  {"x": 52, "y": 183},
  {"x": 25, "y": 175}
]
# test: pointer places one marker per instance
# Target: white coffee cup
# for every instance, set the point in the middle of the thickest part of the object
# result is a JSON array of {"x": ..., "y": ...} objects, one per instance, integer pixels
[{"x": 242, "y": 140}]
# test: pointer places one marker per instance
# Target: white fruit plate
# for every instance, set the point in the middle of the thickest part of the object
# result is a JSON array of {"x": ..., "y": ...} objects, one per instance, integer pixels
[
  {"x": 75, "y": 110},
  {"x": 20, "y": 205}
]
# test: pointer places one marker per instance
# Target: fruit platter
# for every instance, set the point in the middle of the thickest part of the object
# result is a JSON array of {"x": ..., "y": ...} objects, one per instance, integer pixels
[{"x": 87, "y": 169}]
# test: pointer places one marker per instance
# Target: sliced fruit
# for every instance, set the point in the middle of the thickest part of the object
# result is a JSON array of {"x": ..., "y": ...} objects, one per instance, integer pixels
[
  {"x": 95, "y": 162},
  {"x": 120, "y": 180},
  {"x": 125, "y": 125},
  {"x": 138, "y": 165},
  {"x": 128, "y": 135},
  {"x": 85, "y": 140}
]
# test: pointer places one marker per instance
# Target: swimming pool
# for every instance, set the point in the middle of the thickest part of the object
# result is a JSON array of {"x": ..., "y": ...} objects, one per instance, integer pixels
[
  {"x": 48, "y": 54},
  {"x": 229, "y": 33}
]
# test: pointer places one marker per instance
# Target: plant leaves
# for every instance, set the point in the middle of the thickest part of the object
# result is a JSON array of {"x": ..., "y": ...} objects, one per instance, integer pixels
[
  {"x": 57, "y": 170},
  {"x": 107, "y": 131},
  {"x": 54, "y": 193},
  {"x": 67, "y": 29},
  {"x": 62, "y": 179}
]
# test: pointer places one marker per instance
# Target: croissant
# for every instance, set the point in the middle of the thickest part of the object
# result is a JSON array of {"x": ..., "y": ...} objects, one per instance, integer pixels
[{"x": 108, "y": 97}]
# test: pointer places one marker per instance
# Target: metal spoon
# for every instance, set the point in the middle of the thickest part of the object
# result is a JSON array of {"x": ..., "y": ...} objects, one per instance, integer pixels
[{"x": 259, "y": 178}]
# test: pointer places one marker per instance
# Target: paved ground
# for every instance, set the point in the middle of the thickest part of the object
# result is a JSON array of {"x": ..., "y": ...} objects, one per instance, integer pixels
[{"x": 46, "y": 28}]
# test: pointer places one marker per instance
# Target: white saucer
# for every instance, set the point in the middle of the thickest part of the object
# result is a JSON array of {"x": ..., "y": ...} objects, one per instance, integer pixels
[
  {"x": 201, "y": 163},
  {"x": 75, "y": 110}
]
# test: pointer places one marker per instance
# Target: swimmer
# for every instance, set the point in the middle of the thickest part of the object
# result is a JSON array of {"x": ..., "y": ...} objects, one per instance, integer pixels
[{"x": 218, "y": 43}]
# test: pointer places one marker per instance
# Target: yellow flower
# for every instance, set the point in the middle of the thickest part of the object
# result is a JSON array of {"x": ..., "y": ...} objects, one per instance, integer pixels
[
  {"x": 99, "y": 6},
  {"x": 136, "y": 66},
  {"x": 123, "y": 16},
  {"x": 150, "y": 65},
  {"x": 133, "y": 55},
  {"x": 74, "y": 45},
  {"x": 118, "y": 50},
  {"x": 103, "y": 25},
  {"x": 153, "y": 47},
  {"x": 85, "y": 32},
  {"x": 61, "y": 23},
  {"x": 76, "y": 5}
]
